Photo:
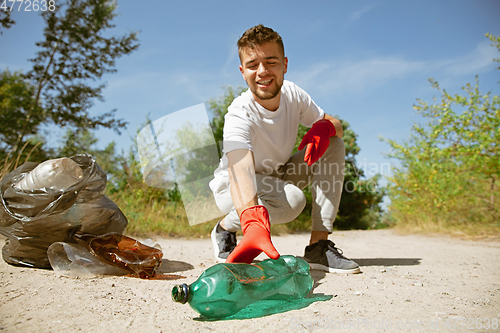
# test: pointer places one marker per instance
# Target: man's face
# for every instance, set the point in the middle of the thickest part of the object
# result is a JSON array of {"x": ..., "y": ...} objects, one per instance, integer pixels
[{"x": 264, "y": 68}]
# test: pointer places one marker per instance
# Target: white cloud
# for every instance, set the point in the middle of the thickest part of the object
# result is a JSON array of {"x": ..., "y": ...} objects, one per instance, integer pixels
[
  {"x": 474, "y": 62},
  {"x": 360, "y": 12},
  {"x": 356, "y": 15},
  {"x": 231, "y": 64},
  {"x": 349, "y": 76},
  {"x": 352, "y": 76}
]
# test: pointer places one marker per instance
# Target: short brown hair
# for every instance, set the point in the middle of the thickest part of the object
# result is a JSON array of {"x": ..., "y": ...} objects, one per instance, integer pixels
[{"x": 259, "y": 35}]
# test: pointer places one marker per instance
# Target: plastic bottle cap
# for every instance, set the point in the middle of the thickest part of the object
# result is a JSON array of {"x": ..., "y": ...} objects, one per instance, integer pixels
[{"x": 180, "y": 293}]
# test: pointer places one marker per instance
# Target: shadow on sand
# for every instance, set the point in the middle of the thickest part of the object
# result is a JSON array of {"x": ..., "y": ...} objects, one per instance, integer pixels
[
  {"x": 264, "y": 308},
  {"x": 174, "y": 266},
  {"x": 319, "y": 275}
]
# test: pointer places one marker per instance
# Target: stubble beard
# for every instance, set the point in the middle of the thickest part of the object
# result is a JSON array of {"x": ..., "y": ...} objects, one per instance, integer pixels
[{"x": 266, "y": 95}]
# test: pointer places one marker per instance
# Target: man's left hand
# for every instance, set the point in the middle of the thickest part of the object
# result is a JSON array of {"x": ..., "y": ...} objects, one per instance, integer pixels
[{"x": 317, "y": 140}]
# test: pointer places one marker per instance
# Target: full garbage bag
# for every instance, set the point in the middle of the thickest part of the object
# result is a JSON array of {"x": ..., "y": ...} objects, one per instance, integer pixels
[{"x": 33, "y": 219}]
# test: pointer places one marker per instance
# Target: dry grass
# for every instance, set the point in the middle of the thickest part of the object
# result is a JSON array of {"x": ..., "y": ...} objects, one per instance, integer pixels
[
  {"x": 12, "y": 162},
  {"x": 441, "y": 226}
]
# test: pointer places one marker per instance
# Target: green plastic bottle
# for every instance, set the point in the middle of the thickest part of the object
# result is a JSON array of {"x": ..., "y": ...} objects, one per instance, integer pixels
[{"x": 224, "y": 289}]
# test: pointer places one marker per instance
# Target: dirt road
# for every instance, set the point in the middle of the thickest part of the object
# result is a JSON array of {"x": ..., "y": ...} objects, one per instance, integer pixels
[{"x": 408, "y": 283}]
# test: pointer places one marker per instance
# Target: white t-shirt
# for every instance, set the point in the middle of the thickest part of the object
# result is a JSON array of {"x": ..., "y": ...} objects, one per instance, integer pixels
[{"x": 270, "y": 135}]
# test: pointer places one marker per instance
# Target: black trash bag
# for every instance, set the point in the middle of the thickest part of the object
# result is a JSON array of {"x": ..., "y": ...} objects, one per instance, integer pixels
[{"x": 34, "y": 219}]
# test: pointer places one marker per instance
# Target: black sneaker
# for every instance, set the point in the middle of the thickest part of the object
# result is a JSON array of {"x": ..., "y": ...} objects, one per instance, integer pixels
[
  {"x": 223, "y": 242},
  {"x": 324, "y": 256}
]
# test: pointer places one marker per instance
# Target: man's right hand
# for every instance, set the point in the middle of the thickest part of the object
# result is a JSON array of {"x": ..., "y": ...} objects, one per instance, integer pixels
[{"x": 256, "y": 236}]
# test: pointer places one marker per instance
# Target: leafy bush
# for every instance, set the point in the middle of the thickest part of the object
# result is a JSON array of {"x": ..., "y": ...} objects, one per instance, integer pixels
[{"x": 450, "y": 168}]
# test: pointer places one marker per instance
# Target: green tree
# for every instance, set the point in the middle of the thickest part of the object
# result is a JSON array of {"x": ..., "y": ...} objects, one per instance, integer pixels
[
  {"x": 200, "y": 158},
  {"x": 496, "y": 43},
  {"x": 76, "y": 51},
  {"x": 128, "y": 178},
  {"x": 5, "y": 20},
  {"x": 361, "y": 198},
  {"x": 16, "y": 98},
  {"x": 84, "y": 141},
  {"x": 450, "y": 167},
  {"x": 218, "y": 108}
]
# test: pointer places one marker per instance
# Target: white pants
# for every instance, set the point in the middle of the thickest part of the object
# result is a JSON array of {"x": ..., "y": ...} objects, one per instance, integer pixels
[{"x": 281, "y": 192}]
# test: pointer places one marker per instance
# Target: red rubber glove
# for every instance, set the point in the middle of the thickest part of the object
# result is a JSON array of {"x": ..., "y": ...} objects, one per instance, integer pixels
[
  {"x": 317, "y": 140},
  {"x": 256, "y": 236}
]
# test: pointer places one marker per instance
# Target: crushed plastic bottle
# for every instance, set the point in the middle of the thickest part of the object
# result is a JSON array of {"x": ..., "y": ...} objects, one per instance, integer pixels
[
  {"x": 123, "y": 252},
  {"x": 56, "y": 174},
  {"x": 224, "y": 289},
  {"x": 73, "y": 260}
]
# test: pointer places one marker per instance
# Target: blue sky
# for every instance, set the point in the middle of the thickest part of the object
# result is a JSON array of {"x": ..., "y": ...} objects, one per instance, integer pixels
[{"x": 365, "y": 61}]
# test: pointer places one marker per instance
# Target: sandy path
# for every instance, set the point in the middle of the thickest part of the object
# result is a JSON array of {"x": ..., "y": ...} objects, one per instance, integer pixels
[{"x": 408, "y": 283}]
